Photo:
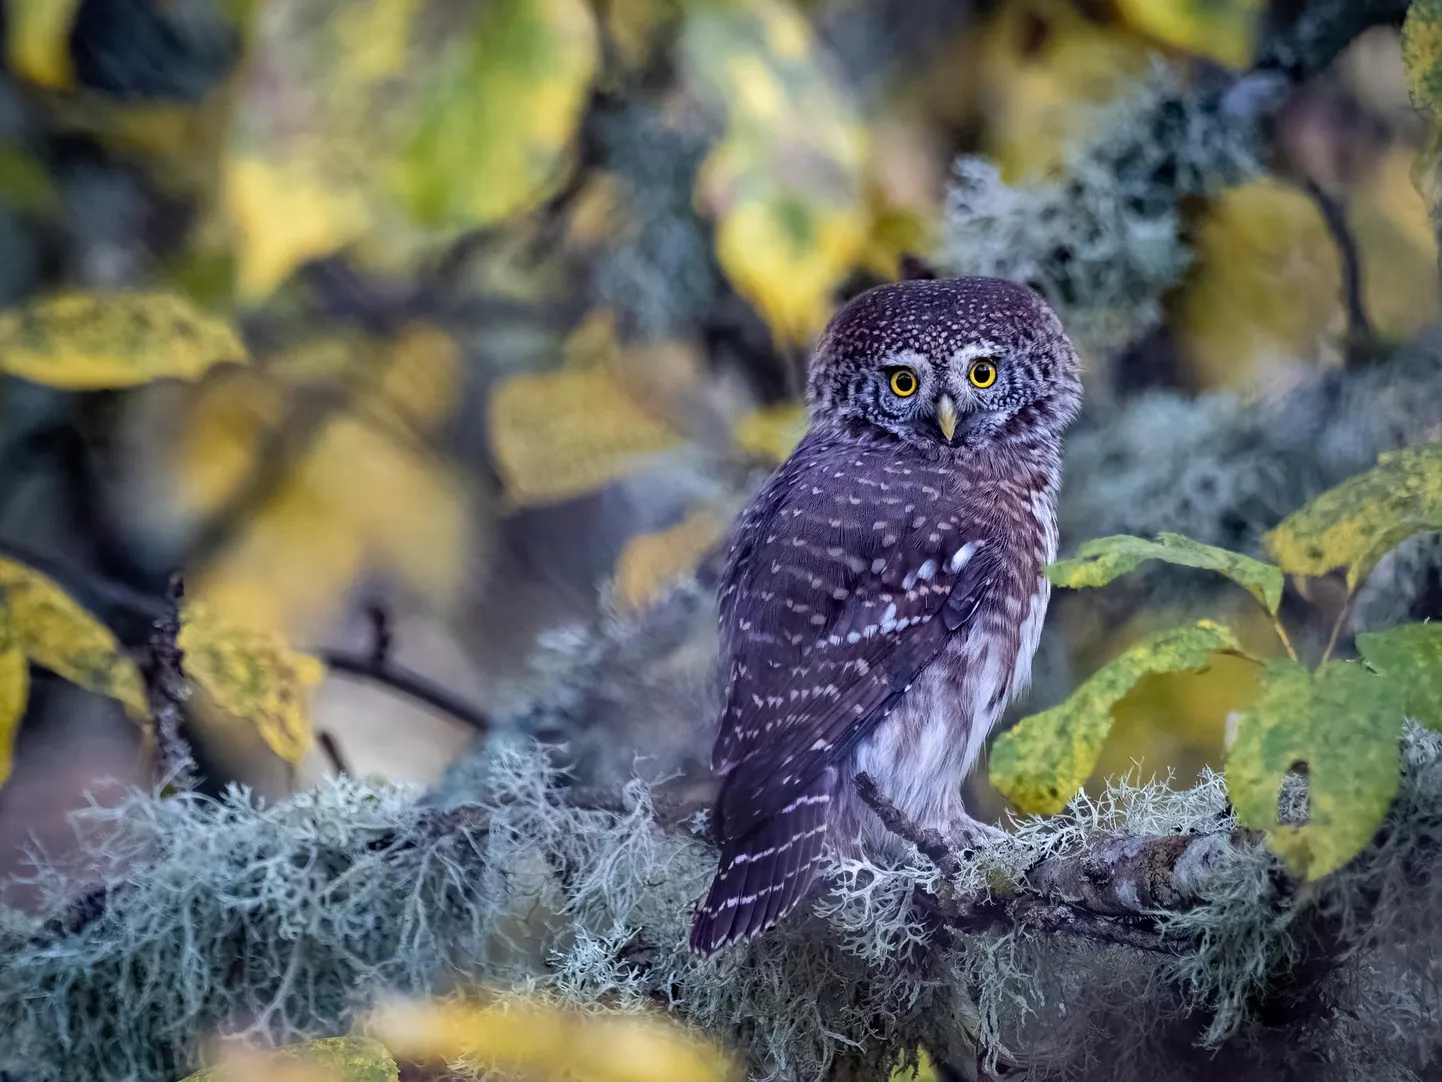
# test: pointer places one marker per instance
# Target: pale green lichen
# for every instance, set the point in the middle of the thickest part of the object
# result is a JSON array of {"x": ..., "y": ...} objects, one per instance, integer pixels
[{"x": 281, "y": 922}]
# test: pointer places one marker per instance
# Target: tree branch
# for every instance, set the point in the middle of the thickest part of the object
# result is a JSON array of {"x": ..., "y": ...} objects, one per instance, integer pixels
[
  {"x": 1111, "y": 892},
  {"x": 168, "y": 691}
]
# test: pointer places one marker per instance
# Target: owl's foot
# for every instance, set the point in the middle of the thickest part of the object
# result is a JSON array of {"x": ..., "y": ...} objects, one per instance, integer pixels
[{"x": 964, "y": 832}]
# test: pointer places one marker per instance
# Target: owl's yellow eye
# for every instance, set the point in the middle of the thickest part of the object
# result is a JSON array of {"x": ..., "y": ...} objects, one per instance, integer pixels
[
  {"x": 903, "y": 383},
  {"x": 982, "y": 374}
]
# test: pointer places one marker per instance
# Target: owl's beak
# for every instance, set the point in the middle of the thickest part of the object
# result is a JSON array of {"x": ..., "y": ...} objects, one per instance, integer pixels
[{"x": 946, "y": 416}]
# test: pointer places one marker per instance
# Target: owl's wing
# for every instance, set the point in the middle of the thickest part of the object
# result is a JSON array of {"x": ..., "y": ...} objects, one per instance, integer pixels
[{"x": 845, "y": 578}]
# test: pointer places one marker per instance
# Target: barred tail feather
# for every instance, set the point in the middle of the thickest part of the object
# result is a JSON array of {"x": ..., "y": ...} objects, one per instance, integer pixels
[{"x": 766, "y": 873}]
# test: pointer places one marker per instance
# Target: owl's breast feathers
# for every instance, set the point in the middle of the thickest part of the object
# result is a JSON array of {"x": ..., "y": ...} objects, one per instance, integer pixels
[{"x": 847, "y": 575}]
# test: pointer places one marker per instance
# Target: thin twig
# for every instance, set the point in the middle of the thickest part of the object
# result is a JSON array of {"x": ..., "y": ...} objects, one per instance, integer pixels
[
  {"x": 89, "y": 588},
  {"x": 331, "y": 750},
  {"x": 1360, "y": 336},
  {"x": 411, "y": 685},
  {"x": 1342, "y": 617},
  {"x": 1282, "y": 634},
  {"x": 165, "y": 681}
]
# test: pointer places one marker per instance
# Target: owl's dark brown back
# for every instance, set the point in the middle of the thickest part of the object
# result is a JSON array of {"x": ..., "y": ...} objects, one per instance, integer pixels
[{"x": 917, "y": 504}]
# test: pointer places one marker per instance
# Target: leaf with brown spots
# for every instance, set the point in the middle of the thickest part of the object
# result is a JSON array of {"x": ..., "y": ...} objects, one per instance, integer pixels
[
  {"x": 1355, "y": 524},
  {"x": 251, "y": 675},
  {"x": 1344, "y": 723},
  {"x": 1100, "y": 561},
  {"x": 1041, "y": 763},
  {"x": 57, "y": 634},
  {"x": 92, "y": 341}
]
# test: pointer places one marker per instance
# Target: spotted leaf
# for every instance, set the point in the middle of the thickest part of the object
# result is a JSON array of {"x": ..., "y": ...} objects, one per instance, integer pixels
[
  {"x": 1041, "y": 763},
  {"x": 1100, "y": 561},
  {"x": 1411, "y": 657},
  {"x": 57, "y": 634},
  {"x": 88, "y": 341},
  {"x": 251, "y": 675},
  {"x": 1343, "y": 725},
  {"x": 1355, "y": 524}
]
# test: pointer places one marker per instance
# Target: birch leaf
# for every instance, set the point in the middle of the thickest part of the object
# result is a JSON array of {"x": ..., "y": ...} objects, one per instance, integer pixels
[
  {"x": 251, "y": 675},
  {"x": 85, "y": 341},
  {"x": 1355, "y": 524},
  {"x": 1041, "y": 763},
  {"x": 785, "y": 181},
  {"x": 1101, "y": 561},
  {"x": 37, "y": 40},
  {"x": 1344, "y": 725},
  {"x": 1223, "y": 30},
  {"x": 1411, "y": 657},
  {"x": 332, "y": 1059},
  {"x": 57, "y": 634},
  {"x": 542, "y": 1040},
  {"x": 14, "y": 688}
]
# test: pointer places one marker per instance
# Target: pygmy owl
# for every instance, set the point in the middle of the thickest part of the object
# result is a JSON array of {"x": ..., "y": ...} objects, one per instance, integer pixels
[{"x": 884, "y": 592}]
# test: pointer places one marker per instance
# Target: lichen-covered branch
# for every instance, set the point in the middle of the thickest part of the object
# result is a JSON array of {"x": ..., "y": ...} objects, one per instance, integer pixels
[
  {"x": 1111, "y": 891},
  {"x": 275, "y": 921}
]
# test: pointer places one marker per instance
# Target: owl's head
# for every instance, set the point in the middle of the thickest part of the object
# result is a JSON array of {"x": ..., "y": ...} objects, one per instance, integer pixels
[{"x": 963, "y": 362}]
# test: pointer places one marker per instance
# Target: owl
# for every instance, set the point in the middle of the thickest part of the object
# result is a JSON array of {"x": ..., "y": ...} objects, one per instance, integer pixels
[{"x": 884, "y": 592}]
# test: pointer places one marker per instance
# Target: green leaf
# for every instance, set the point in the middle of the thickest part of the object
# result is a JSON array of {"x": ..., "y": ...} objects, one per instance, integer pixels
[
  {"x": 1041, "y": 763},
  {"x": 333, "y": 1059},
  {"x": 91, "y": 341},
  {"x": 1344, "y": 724},
  {"x": 1100, "y": 561},
  {"x": 1410, "y": 656},
  {"x": 785, "y": 184},
  {"x": 1422, "y": 54},
  {"x": 1357, "y": 523},
  {"x": 494, "y": 136},
  {"x": 14, "y": 687}
]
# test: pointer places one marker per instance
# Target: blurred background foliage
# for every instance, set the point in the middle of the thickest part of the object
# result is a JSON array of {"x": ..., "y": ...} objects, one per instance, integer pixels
[{"x": 491, "y": 314}]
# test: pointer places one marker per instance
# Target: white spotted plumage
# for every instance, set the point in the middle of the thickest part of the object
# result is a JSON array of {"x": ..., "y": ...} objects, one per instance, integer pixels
[{"x": 884, "y": 592}]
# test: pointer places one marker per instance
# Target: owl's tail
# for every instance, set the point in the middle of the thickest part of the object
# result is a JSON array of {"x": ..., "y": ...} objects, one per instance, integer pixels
[{"x": 765, "y": 873}]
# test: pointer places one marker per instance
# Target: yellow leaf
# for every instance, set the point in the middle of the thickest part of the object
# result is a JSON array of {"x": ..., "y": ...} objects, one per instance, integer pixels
[
  {"x": 1041, "y": 763},
  {"x": 1104, "y": 559},
  {"x": 284, "y": 216},
  {"x": 37, "y": 40},
  {"x": 57, "y": 634},
  {"x": 364, "y": 491},
  {"x": 420, "y": 379},
  {"x": 84, "y": 341},
  {"x": 1267, "y": 284},
  {"x": 1045, "y": 66},
  {"x": 1355, "y": 524},
  {"x": 494, "y": 137},
  {"x": 1343, "y": 724},
  {"x": 252, "y": 675},
  {"x": 559, "y": 434},
  {"x": 333, "y": 1059},
  {"x": 14, "y": 687},
  {"x": 541, "y": 1040},
  {"x": 785, "y": 184},
  {"x": 772, "y": 433},
  {"x": 408, "y": 509},
  {"x": 651, "y": 561},
  {"x": 1223, "y": 30}
]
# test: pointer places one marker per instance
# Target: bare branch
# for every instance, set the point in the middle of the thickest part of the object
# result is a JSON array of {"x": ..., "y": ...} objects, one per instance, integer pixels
[{"x": 168, "y": 690}]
